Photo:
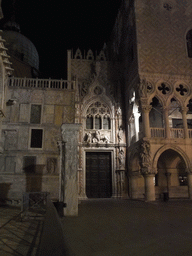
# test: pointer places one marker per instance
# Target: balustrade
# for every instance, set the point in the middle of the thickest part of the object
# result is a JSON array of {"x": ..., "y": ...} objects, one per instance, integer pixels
[
  {"x": 157, "y": 132},
  {"x": 40, "y": 83},
  {"x": 176, "y": 133},
  {"x": 190, "y": 133}
]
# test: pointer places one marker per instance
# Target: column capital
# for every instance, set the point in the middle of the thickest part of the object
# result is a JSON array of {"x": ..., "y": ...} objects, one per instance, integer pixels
[
  {"x": 147, "y": 171},
  {"x": 184, "y": 109},
  {"x": 146, "y": 108}
]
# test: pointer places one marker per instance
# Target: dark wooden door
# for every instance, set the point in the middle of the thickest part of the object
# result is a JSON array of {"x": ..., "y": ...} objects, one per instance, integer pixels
[{"x": 98, "y": 175}]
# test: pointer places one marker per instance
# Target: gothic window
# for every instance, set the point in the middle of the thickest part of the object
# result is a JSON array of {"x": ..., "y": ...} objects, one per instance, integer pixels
[
  {"x": 98, "y": 117},
  {"x": 36, "y": 138},
  {"x": 35, "y": 117},
  {"x": 156, "y": 114},
  {"x": 189, "y": 43},
  {"x": 97, "y": 122},
  {"x": 106, "y": 123},
  {"x": 175, "y": 116},
  {"x": 89, "y": 122}
]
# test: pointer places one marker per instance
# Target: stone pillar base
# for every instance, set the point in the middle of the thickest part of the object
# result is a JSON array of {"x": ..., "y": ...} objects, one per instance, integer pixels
[{"x": 149, "y": 187}]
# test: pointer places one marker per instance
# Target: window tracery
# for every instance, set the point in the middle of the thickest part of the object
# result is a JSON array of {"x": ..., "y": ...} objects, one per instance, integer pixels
[{"x": 98, "y": 117}]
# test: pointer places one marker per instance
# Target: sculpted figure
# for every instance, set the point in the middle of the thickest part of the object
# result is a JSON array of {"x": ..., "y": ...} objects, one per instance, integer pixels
[
  {"x": 89, "y": 137},
  {"x": 121, "y": 158},
  {"x": 100, "y": 138},
  {"x": 145, "y": 154}
]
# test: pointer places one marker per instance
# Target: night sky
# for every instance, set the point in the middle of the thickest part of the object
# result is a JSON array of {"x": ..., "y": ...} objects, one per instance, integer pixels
[{"x": 55, "y": 26}]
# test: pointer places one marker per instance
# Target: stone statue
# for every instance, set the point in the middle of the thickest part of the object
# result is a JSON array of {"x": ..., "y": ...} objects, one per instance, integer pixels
[
  {"x": 121, "y": 158},
  {"x": 143, "y": 88},
  {"x": 100, "y": 138},
  {"x": 120, "y": 135},
  {"x": 89, "y": 137},
  {"x": 145, "y": 154}
]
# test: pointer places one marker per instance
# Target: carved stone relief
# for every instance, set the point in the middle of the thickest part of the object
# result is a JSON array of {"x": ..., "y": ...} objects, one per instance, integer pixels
[{"x": 96, "y": 137}]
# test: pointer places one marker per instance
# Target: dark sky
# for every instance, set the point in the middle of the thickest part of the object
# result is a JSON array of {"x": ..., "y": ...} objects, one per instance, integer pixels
[{"x": 57, "y": 25}]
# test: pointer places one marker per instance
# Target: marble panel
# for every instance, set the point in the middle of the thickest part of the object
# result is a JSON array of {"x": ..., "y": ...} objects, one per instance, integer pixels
[
  {"x": 11, "y": 137},
  {"x": 52, "y": 135},
  {"x": 24, "y": 113},
  {"x": 58, "y": 115},
  {"x": 37, "y": 96},
  {"x": 48, "y": 114},
  {"x": 51, "y": 165},
  {"x": 10, "y": 164},
  {"x": 14, "y": 115},
  {"x": 23, "y": 138}
]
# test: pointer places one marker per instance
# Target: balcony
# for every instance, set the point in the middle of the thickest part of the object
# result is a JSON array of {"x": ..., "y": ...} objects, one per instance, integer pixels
[
  {"x": 17, "y": 82},
  {"x": 174, "y": 133}
]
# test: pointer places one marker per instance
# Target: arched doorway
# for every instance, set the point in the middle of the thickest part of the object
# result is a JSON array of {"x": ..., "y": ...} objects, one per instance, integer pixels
[{"x": 171, "y": 174}]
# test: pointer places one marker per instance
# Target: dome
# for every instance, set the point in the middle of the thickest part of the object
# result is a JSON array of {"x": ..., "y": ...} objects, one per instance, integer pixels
[{"x": 21, "y": 47}]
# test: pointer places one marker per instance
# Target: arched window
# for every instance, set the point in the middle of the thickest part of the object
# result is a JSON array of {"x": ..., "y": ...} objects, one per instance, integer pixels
[
  {"x": 89, "y": 122},
  {"x": 189, "y": 43},
  {"x": 97, "y": 122},
  {"x": 106, "y": 123},
  {"x": 98, "y": 117},
  {"x": 156, "y": 114}
]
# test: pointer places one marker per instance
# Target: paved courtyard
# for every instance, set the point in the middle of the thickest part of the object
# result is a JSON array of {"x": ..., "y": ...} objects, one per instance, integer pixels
[
  {"x": 18, "y": 238},
  {"x": 124, "y": 227}
]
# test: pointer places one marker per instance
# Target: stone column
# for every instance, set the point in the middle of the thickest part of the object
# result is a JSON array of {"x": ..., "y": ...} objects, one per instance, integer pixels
[
  {"x": 146, "y": 125},
  {"x": 133, "y": 185},
  {"x": 166, "y": 117},
  {"x": 190, "y": 185},
  {"x": 149, "y": 187},
  {"x": 70, "y": 168},
  {"x": 185, "y": 126}
]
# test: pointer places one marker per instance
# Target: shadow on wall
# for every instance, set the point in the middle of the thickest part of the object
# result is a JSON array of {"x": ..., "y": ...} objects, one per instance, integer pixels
[
  {"x": 4, "y": 190},
  {"x": 34, "y": 175}
]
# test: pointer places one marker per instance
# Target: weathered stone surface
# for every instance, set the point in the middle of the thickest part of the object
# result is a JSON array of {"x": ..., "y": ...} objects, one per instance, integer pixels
[{"x": 70, "y": 139}]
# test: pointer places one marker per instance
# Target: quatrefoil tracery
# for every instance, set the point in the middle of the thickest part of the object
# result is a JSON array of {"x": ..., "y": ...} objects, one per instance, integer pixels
[
  {"x": 164, "y": 88},
  {"x": 182, "y": 90}
]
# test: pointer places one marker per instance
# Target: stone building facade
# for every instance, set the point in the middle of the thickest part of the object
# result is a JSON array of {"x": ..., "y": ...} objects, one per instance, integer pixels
[
  {"x": 132, "y": 104},
  {"x": 156, "y": 80}
]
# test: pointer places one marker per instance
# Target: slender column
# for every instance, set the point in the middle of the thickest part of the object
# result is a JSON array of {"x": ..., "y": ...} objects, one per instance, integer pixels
[
  {"x": 149, "y": 187},
  {"x": 69, "y": 65},
  {"x": 185, "y": 126},
  {"x": 70, "y": 164},
  {"x": 61, "y": 173},
  {"x": 145, "y": 112},
  {"x": 166, "y": 117},
  {"x": 190, "y": 185}
]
